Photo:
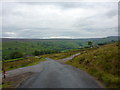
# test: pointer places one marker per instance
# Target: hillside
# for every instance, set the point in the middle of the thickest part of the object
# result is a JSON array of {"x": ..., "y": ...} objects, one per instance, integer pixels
[
  {"x": 47, "y": 46},
  {"x": 102, "y": 62}
]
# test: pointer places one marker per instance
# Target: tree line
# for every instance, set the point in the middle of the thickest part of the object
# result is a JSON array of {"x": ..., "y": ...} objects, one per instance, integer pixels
[{"x": 18, "y": 54}]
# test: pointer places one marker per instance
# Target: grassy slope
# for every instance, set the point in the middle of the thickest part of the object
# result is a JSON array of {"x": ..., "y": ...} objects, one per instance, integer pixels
[
  {"x": 100, "y": 62},
  {"x": 103, "y": 63},
  {"x": 21, "y": 63},
  {"x": 28, "y": 46},
  {"x": 62, "y": 55}
]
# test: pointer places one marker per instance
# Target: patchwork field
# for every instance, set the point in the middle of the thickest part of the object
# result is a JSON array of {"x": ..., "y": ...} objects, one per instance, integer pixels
[{"x": 18, "y": 48}]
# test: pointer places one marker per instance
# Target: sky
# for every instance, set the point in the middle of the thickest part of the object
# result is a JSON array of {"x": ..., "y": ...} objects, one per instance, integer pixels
[{"x": 45, "y": 20}]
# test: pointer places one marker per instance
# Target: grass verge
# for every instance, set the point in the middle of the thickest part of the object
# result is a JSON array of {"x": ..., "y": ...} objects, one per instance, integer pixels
[
  {"x": 102, "y": 63},
  {"x": 12, "y": 82},
  {"x": 22, "y": 63},
  {"x": 62, "y": 55},
  {"x": 12, "y": 60}
]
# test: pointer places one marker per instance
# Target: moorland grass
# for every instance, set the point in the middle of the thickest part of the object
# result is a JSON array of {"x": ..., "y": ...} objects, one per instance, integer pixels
[
  {"x": 103, "y": 63},
  {"x": 62, "y": 55},
  {"x": 21, "y": 63}
]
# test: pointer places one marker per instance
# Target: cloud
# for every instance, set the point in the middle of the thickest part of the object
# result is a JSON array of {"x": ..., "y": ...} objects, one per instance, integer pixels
[
  {"x": 46, "y": 20},
  {"x": 10, "y": 34}
]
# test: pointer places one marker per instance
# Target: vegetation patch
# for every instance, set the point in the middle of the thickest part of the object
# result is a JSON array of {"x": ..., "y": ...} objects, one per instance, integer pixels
[
  {"x": 22, "y": 63},
  {"x": 12, "y": 60},
  {"x": 103, "y": 63},
  {"x": 17, "y": 48},
  {"x": 62, "y": 55}
]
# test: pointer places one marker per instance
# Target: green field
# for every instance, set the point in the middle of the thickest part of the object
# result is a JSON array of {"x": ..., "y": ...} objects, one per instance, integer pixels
[{"x": 30, "y": 47}]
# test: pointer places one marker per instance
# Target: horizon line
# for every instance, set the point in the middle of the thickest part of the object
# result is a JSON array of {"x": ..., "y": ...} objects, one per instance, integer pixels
[{"x": 56, "y": 37}]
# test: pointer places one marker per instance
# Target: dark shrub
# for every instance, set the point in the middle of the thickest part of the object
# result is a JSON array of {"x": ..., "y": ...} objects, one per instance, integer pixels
[{"x": 15, "y": 55}]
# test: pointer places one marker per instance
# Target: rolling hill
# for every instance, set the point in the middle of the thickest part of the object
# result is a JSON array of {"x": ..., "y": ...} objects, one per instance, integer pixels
[{"x": 46, "y": 46}]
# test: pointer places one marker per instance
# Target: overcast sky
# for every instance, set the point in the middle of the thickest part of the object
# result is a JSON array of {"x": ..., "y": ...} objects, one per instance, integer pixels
[{"x": 59, "y": 20}]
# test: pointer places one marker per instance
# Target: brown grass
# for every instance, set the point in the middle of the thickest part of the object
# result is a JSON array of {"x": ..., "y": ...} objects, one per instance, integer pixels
[
  {"x": 21, "y": 63},
  {"x": 103, "y": 63},
  {"x": 62, "y": 55}
]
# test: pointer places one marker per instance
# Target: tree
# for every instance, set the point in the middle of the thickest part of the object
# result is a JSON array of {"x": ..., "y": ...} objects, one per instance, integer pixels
[
  {"x": 15, "y": 55},
  {"x": 101, "y": 44},
  {"x": 90, "y": 43},
  {"x": 36, "y": 53}
]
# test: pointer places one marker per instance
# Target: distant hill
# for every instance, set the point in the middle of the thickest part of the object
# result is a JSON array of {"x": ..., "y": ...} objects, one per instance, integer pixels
[
  {"x": 44, "y": 46},
  {"x": 24, "y": 39}
]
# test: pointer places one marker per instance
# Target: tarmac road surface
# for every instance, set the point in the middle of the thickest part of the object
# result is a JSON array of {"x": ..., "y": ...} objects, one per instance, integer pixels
[{"x": 57, "y": 75}]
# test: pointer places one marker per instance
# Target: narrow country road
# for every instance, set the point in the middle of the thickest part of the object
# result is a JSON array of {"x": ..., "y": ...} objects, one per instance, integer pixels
[{"x": 57, "y": 75}]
